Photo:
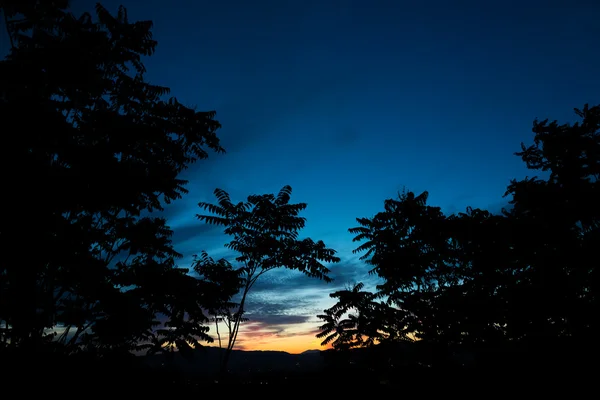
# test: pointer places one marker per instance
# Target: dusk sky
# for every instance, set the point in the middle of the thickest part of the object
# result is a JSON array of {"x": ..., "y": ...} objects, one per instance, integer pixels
[{"x": 350, "y": 101}]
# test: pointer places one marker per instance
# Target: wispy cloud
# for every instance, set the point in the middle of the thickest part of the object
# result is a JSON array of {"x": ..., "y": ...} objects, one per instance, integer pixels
[{"x": 293, "y": 338}]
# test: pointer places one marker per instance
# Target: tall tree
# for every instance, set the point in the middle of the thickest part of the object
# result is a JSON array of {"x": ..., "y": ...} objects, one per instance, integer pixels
[
  {"x": 558, "y": 221},
  {"x": 265, "y": 233},
  {"x": 94, "y": 149},
  {"x": 524, "y": 280}
]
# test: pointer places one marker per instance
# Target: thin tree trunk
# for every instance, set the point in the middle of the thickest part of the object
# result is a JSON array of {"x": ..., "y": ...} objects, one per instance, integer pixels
[{"x": 236, "y": 327}]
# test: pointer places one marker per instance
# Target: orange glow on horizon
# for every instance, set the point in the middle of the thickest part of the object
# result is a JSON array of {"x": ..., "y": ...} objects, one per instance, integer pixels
[
  {"x": 293, "y": 339},
  {"x": 293, "y": 345}
]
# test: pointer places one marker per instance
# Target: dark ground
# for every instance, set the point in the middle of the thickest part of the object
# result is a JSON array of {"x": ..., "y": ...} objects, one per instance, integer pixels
[{"x": 404, "y": 365}]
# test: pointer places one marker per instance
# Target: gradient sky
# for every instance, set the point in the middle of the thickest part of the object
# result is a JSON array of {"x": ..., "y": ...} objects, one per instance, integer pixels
[{"x": 350, "y": 101}]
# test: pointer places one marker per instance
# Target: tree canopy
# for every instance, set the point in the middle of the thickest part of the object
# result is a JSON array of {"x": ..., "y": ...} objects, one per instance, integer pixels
[
  {"x": 265, "y": 235},
  {"x": 94, "y": 150},
  {"x": 523, "y": 279}
]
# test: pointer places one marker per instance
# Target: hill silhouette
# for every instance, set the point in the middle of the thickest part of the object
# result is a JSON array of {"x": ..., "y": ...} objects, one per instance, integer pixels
[{"x": 205, "y": 361}]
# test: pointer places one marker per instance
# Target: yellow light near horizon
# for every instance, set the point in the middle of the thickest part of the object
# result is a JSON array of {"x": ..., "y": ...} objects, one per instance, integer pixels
[{"x": 293, "y": 345}]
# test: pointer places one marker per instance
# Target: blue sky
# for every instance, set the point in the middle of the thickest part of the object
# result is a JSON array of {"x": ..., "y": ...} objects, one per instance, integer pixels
[{"x": 350, "y": 101}]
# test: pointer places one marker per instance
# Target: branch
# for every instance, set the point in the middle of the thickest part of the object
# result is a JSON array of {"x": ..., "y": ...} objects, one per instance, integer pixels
[
  {"x": 238, "y": 318},
  {"x": 78, "y": 332},
  {"x": 64, "y": 335},
  {"x": 217, "y": 329},
  {"x": 253, "y": 280}
]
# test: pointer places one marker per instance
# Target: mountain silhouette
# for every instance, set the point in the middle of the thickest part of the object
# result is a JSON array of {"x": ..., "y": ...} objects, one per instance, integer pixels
[{"x": 205, "y": 362}]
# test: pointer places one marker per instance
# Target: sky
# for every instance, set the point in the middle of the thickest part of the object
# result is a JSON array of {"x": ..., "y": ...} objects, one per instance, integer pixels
[{"x": 351, "y": 101}]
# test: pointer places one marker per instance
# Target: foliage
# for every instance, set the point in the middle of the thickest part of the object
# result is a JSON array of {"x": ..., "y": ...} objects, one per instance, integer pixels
[
  {"x": 95, "y": 148},
  {"x": 221, "y": 283},
  {"x": 522, "y": 279},
  {"x": 358, "y": 319},
  {"x": 265, "y": 233},
  {"x": 558, "y": 228}
]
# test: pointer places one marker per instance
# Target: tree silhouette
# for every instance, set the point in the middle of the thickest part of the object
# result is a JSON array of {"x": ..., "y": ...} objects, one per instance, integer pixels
[
  {"x": 359, "y": 320},
  {"x": 265, "y": 232},
  {"x": 558, "y": 230},
  {"x": 94, "y": 150},
  {"x": 222, "y": 282},
  {"x": 517, "y": 284}
]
